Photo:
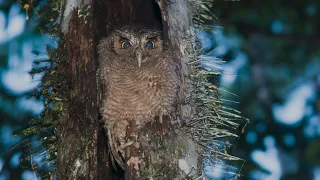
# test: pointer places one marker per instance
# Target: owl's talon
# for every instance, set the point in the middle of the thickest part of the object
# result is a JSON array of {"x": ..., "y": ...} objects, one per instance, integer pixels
[
  {"x": 121, "y": 138},
  {"x": 127, "y": 144}
]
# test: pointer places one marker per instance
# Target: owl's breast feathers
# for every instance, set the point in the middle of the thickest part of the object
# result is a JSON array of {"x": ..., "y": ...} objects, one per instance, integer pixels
[{"x": 140, "y": 94}]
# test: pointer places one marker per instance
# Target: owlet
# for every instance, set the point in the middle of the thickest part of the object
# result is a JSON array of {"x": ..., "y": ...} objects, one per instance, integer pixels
[{"x": 140, "y": 82}]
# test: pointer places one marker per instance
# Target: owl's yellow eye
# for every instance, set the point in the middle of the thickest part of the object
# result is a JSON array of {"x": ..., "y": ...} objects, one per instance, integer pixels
[
  {"x": 149, "y": 44},
  {"x": 125, "y": 45}
]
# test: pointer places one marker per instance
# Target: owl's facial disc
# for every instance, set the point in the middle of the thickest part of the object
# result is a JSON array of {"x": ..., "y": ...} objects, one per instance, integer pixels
[{"x": 140, "y": 47}]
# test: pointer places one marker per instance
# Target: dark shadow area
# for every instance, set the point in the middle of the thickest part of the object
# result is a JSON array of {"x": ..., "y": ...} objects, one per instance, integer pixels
[{"x": 113, "y": 14}]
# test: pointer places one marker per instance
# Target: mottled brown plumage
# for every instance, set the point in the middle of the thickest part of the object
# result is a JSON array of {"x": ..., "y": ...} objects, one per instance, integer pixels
[{"x": 140, "y": 81}]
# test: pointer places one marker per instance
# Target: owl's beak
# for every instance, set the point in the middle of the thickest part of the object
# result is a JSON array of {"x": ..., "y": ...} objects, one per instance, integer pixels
[{"x": 139, "y": 57}]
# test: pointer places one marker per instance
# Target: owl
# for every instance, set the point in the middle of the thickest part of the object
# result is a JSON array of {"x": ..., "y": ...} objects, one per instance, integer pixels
[{"x": 140, "y": 81}]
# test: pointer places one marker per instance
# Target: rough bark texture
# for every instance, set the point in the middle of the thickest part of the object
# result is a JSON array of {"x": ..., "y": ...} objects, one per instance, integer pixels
[
  {"x": 161, "y": 146},
  {"x": 177, "y": 22},
  {"x": 81, "y": 151}
]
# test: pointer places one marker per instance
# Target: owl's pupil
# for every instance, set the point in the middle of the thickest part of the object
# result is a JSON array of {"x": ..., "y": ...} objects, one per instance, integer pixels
[
  {"x": 149, "y": 44},
  {"x": 126, "y": 45}
]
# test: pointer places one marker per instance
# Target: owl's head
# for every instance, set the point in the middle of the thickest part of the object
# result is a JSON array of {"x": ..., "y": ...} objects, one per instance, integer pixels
[{"x": 137, "y": 45}]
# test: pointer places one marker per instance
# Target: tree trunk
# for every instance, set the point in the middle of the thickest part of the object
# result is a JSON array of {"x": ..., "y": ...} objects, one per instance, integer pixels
[
  {"x": 81, "y": 152},
  {"x": 163, "y": 151}
]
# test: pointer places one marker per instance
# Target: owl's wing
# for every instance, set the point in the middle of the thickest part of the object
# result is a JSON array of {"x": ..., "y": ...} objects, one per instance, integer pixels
[{"x": 115, "y": 155}]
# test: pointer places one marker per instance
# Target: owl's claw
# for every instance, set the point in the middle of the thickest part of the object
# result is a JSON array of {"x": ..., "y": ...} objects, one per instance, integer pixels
[
  {"x": 121, "y": 138},
  {"x": 127, "y": 144},
  {"x": 122, "y": 147},
  {"x": 123, "y": 143}
]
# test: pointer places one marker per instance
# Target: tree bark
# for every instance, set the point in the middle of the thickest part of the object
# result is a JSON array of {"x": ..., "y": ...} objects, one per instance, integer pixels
[
  {"x": 81, "y": 151},
  {"x": 163, "y": 151}
]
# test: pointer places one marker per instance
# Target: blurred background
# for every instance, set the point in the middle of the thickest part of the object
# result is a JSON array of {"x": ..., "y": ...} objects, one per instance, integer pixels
[
  {"x": 272, "y": 54},
  {"x": 21, "y": 43}
]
